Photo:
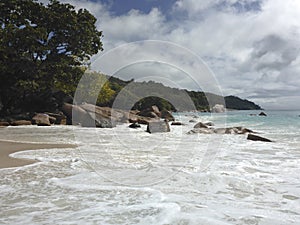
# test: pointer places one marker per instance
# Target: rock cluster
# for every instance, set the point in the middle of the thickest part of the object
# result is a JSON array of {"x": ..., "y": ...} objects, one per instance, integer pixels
[
  {"x": 227, "y": 130},
  {"x": 89, "y": 115},
  {"x": 39, "y": 119},
  {"x": 203, "y": 128}
]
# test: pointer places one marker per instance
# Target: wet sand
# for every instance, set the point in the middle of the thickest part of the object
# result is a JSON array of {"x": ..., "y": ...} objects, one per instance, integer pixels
[{"x": 9, "y": 147}]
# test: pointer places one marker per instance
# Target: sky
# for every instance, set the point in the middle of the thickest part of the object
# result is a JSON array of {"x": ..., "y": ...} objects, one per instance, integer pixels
[{"x": 251, "y": 46}]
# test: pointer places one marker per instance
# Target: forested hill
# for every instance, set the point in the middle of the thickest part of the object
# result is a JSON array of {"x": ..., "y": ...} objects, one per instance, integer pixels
[
  {"x": 127, "y": 92},
  {"x": 234, "y": 102}
]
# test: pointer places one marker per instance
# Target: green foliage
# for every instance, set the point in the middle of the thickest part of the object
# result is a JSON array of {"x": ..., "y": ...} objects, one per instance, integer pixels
[
  {"x": 177, "y": 100},
  {"x": 43, "y": 49},
  {"x": 147, "y": 102},
  {"x": 199, "y": 99}
]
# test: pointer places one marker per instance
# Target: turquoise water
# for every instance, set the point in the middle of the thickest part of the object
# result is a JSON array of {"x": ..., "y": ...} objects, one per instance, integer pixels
[
  {"x": 273, "y": 119},
  {"x": 127, "y": 176}
]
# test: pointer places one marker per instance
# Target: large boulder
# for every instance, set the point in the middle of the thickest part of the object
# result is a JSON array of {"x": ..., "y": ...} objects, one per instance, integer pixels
[
  {"x": 41, "y": 119},
  {"x": 89, "y": 115},
  {"x": 165, "y": 114},
  {"x": 104, "y": 113},
  {"x": 200, "y": 125},
  {"x": 158, "y": 126},
  {"x": 253, "y": 137},
  {"x": 73, "y": 111},
  {"x": 20, "y": 122},
  {"x": 218, "y": 108}
]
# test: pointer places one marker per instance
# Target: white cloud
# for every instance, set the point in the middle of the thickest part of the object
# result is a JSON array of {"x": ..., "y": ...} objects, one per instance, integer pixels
[
  {"x": 251, "y": 45},
  {"x": 133, "y": 26}
]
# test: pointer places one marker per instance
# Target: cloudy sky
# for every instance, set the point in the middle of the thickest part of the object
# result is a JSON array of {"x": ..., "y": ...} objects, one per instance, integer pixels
[{"x": 252, "y": 46}]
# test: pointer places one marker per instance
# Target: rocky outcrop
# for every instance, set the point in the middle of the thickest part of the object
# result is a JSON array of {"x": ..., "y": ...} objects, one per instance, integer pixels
[
  {"x": 158, "y": 126},
  {"x": 253, "y": 137},
  {"x": 89, "y": 115},
  {"x": 262, "y": 114}
]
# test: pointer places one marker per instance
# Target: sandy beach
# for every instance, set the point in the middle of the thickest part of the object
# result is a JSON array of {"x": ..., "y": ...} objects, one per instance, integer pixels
[{"x": 9, "y": 147}]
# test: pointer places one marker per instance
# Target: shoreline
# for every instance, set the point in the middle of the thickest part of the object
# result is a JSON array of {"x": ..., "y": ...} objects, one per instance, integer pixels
[{"x": 9, "y": 147}]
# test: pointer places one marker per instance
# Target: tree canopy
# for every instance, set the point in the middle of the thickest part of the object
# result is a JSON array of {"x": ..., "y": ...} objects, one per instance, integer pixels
[{"x": 43, "y": 49}]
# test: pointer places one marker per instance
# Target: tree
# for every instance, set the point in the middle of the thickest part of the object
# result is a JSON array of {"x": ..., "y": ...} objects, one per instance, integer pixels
[
  {"x": 43, "y": 49},
  {"x": 95, "y": 88}
]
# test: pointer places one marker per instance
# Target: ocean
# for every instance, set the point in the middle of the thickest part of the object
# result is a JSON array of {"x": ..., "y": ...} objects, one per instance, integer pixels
[{"x": 128, "y": 176}]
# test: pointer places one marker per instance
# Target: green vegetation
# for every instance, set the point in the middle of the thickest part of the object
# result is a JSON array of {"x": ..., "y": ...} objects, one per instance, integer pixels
[
  {"x": 43, "y": 50},
  {"x": 165, "y": 98},
  {"x": 233, "y": 102}
]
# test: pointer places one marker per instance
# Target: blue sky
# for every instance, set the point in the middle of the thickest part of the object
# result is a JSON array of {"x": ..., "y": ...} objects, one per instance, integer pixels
[
  {"x": 252, "y": 46},
  {"x": 119, "y": 7}
]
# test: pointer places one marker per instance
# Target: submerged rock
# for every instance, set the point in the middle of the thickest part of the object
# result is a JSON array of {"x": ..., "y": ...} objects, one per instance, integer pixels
[
  {"x": 201, "y": 131},
  {"x": 134, "y": 125},
  {"x": 200, "y": 125},
  {"x": 262, "y": 114},
  {"x": 177, "y": 123},
  {"x": 253, "y": 137},
  {"x": 210, "y": 124},
  {"x": 158, "y": 126}
]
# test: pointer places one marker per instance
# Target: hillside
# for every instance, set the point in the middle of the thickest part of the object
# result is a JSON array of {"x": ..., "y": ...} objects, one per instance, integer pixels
[{"x": 130, "y": 94}]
